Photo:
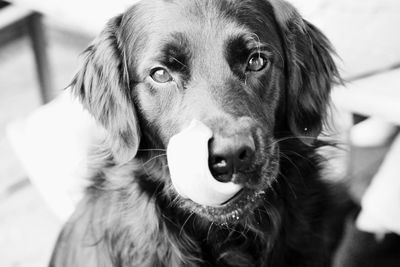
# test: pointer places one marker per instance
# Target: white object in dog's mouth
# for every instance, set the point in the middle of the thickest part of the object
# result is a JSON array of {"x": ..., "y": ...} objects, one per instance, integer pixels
[{"x": 187, "y": 155}]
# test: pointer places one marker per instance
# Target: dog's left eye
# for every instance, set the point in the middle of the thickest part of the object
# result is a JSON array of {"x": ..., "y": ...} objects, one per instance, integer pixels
[
  {"x": 160, "y": 75},
  {"x": 256, "y": 63}
]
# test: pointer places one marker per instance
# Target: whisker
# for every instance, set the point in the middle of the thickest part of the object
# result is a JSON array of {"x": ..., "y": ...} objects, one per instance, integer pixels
[
  {"x": 175, "y": 59},
  {"x": 155, "y": 157},
  {"x": 286, "y": 180},
  {"x": 292, "y": 138},
  {"x": 183, "y": 225},
  {"x": 299, "y": 155},
  {"x": 209, "y": 231},
  {"x": 290, "y": 161},
  {"x": 152, "y": 149}
]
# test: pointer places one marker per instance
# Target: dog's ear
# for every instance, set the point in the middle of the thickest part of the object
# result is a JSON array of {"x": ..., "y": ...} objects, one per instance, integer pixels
[
  {"x": 103, "y": 86},
  {"x": 311, "y": 70}
]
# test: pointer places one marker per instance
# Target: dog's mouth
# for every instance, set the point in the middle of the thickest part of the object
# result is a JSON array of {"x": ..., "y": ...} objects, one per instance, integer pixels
[{"x": 244, "y": 202}]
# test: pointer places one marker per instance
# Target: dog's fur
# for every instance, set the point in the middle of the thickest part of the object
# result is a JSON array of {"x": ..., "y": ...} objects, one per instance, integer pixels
[{"x": 131, "y": 214}]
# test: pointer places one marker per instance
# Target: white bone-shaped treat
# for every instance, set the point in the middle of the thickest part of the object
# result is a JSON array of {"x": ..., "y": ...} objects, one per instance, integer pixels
[{"x": 187, "y": 155}]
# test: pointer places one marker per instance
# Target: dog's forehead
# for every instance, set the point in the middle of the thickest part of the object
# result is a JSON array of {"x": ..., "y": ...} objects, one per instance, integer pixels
[{"x": 204, "y": 27}]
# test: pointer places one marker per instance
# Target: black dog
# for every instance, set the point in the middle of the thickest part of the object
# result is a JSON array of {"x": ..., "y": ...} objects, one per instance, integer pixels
[{"x": 259, "y": 76}]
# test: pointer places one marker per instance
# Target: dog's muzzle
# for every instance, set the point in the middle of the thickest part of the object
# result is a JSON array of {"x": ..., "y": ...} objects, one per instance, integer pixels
[{"x": 188, "y": 162}]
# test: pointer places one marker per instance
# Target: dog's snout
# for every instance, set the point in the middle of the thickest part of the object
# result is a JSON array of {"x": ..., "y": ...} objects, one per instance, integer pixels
[{"x": 230, "y": 155}]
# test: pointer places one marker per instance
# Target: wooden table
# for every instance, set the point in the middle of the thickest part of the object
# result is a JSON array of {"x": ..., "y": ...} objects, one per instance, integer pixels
[
  {"x": 84, "y": 16},
  {"x": 24, "y": 17},
  {"x": 16, "y": 22}
]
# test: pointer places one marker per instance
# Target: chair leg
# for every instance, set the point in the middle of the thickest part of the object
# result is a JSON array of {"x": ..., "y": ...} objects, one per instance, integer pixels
[{"x": 38, "y": 41}]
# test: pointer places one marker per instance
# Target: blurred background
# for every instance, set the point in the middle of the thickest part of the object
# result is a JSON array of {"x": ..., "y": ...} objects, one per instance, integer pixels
[{"x": 40, "y": 44}]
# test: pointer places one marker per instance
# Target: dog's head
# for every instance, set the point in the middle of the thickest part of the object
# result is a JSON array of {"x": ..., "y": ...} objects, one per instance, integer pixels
[{"x": 253, "y": 71}]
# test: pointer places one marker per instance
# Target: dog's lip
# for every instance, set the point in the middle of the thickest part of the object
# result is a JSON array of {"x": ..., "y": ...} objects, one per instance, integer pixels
[
  {"x": 245, "y": 194},
  {"x": 232, "y": 210},
  {"x": 237, "y": 195}
]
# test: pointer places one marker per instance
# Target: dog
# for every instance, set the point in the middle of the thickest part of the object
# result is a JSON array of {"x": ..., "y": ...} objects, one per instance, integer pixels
[{"x": 259, "y": 76}]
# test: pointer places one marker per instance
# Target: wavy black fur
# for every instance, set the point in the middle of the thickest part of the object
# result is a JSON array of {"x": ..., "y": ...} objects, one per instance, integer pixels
[{"x": 131, "y": 215}]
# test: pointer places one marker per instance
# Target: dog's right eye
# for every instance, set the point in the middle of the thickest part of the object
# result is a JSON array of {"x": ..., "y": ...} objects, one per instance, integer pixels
[{"x": 160, "y": 75}]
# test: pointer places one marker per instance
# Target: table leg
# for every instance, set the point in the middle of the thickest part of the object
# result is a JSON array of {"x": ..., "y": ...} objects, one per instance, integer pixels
[{"x": 36, "y": 32}]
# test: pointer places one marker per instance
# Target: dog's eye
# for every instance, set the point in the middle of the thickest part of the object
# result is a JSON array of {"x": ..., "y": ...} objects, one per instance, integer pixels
[
  {"x": 160, "y": 75},
  {"x": 256, "y": 63}
]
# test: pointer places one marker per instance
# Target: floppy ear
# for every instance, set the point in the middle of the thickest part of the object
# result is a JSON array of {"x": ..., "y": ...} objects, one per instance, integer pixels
[
  {"x": 311, "y": 70},
  {"x": 103, "y": 86}
]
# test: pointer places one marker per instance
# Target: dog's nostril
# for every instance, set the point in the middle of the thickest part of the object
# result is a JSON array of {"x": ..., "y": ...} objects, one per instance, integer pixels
[
  {"x": 221, "y": 168},
  {"x": 243, "y": 154}
]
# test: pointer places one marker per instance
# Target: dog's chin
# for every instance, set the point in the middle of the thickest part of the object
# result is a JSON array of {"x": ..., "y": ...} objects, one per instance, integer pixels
[{"x": 241, "y": 205}]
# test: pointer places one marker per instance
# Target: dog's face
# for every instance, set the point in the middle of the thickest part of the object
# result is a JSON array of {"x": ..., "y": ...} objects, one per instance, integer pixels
[{"x": 252, "y": 71}]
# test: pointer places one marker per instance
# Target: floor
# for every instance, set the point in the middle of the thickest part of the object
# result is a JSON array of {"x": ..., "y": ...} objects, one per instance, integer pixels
[{"x": 27, "y": 226}]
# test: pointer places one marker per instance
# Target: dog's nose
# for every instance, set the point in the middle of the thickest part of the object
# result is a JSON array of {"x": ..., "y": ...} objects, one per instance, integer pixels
[{"x": 229, "y": 155}]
